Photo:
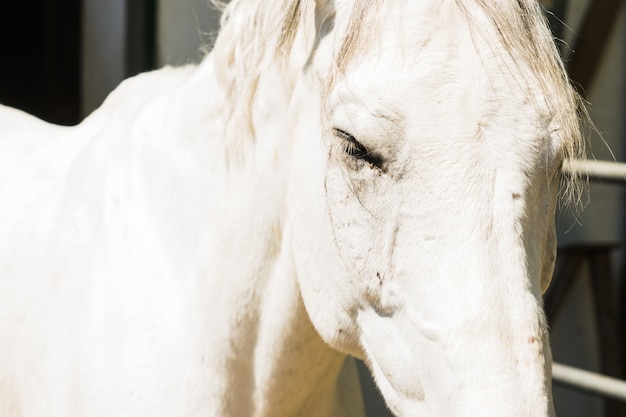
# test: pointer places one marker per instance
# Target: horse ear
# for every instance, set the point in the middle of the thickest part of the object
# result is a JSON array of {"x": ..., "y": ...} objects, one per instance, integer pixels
[
  {"x": 546, "y": 279},
  {"x": 324, "y": 17}
]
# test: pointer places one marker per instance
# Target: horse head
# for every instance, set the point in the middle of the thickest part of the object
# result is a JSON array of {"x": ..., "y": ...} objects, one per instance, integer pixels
[{"x": 427, "y": 144}]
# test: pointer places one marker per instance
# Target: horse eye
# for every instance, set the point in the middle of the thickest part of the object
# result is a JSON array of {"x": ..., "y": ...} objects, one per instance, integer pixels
[{"x": 356, "y": 150}]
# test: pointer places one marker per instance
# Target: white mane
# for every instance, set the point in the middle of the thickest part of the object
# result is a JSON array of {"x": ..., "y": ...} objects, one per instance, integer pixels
[{"x": 248, "y": 43}]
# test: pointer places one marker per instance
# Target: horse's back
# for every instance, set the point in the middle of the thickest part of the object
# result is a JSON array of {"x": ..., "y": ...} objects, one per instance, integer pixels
[
  {"x": 39, "y": 161},
  {"x": 34, "y": 153},
  {"x": 47, "y": 240}
]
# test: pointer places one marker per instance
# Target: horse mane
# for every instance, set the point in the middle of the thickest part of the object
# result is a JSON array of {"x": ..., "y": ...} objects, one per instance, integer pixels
[
  {"x": 523, "y": 30},
  {"x": 251, "y": 40},
  {"x": 259, "y": 34}
]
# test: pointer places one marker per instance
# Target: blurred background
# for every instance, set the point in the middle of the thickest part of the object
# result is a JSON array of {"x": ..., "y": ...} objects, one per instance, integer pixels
[{"x": 59, "y": 60}]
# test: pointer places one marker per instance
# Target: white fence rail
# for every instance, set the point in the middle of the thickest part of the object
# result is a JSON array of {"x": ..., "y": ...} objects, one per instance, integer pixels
[
  {"x": 605, "y": 172},
  {"x": 590, "y": 382}
]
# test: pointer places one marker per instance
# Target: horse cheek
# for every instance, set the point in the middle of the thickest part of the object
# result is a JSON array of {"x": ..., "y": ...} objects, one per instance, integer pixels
[{"x": 320, "y": 271}]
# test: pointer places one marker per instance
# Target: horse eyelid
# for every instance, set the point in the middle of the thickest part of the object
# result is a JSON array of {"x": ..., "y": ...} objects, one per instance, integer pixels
[{"x": 342, "y": 134}]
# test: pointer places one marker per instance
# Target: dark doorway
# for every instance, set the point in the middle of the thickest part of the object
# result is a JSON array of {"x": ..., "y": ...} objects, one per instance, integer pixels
[{"x": 40, "y": 58}]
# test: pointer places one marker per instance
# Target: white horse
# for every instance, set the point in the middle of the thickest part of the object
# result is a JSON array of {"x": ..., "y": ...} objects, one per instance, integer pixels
[{"x": 341, "y": 178}]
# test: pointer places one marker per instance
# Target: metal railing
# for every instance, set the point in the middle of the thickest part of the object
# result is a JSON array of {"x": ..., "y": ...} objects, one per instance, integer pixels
[
  {"x": 591, "y": 382},
  {"x": 602, "y": 171}
]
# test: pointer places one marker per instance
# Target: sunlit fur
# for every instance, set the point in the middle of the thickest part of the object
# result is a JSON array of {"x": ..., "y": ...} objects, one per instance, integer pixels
[{"x": 337, "y": 178}]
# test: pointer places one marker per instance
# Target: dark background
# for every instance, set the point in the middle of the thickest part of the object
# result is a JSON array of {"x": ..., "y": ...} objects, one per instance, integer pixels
[{"x": 40, "y": 58}]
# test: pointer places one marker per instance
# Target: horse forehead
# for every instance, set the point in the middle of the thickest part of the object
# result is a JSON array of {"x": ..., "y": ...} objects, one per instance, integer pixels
[
  {"x": 400, "y": 78},
  {"x": 414, "y": 39},
  {"x": 442, "y": 68},
  {"x": 409, "y": 41}
]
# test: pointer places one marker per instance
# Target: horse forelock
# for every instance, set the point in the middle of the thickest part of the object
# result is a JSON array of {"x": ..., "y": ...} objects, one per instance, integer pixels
[{"x": 523, "y": 31}]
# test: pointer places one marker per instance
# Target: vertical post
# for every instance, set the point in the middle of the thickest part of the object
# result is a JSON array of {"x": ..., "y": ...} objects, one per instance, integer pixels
[
  {"x": 103, "y": 56},
  {"x": 140, "y": 36},
  {"x": 607, "y": 318},
  {"x": 594, "y": 35}
]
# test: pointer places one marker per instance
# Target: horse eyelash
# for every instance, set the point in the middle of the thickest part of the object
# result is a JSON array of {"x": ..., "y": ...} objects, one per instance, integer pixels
[
  {"x": 352, "y": 148},
  {"x": 355, "y": 149}
]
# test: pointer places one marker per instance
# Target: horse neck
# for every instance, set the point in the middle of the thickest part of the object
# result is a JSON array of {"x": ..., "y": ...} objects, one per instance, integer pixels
[
  {"x": 282, "y": 363},
  {"x": 295, "y": 371}
]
